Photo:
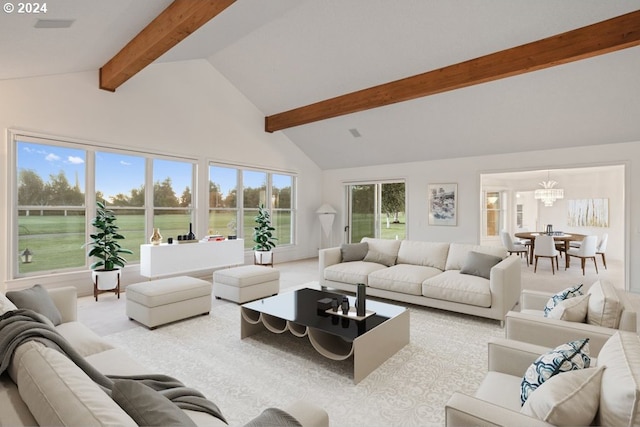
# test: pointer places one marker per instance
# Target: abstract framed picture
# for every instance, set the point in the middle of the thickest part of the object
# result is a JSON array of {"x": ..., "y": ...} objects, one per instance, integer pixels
[
  {"x": 443, "y": 204},
  {"x": 588, "y": 213}
]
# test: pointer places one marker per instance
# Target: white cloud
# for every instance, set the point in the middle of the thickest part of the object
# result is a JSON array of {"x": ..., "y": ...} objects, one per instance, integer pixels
[
  {"x": 75, "y": 160},
  {"x": 52, "y": 157},
  {"x": 123, "y": 163}
]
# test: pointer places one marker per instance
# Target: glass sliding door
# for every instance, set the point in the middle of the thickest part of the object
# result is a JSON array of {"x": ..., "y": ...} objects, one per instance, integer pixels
[{"x": 376, "y": 210}]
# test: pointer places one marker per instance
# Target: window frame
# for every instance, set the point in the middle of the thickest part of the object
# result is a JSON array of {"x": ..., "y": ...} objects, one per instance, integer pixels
[
  {"x": 244, "y": 212},
  {"x": 14, "y": 137}
]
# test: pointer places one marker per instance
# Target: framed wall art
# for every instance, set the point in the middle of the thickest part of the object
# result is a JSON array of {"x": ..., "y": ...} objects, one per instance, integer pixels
[
  {"x": 588, "y": 213},
  {"x": 443, "y": 204}
]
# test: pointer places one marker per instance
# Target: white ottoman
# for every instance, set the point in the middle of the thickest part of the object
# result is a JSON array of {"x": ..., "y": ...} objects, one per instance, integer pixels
[
  {"x": 246, "y": 283},
  {"x": 162, "y": 301}
]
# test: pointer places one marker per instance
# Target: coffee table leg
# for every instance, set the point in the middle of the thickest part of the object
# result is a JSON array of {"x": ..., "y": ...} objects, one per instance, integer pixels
[
  {"x": 378, "y": 345},
  {"x": 250, "y": 323}
]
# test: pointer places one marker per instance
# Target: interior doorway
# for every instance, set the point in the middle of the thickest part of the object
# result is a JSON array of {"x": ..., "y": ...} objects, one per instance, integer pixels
[{"x": 522, "y": 211}]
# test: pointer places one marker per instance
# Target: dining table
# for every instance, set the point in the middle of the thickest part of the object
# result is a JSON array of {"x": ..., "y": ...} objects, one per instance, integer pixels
[{"x": 557, "y": 237}]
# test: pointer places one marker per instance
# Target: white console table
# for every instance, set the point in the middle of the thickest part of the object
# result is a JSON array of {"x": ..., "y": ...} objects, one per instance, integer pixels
[{"x": 164, "y": 259}]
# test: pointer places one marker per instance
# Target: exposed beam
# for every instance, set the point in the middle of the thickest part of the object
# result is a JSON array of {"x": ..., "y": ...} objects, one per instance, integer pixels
[
  {"x": 175, "y": 23},
  {"x": 607, "y": 36}
]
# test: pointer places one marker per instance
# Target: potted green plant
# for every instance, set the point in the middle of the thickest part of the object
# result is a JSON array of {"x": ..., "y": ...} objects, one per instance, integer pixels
[
  {"x": 106, "y": 249},
  {"x": 263, "y": 237}
]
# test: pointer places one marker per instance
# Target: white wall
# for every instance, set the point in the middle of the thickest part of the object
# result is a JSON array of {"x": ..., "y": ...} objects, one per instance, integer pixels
[
  {"x": 183, "y": 108},
  {"x": 466, "y": 172}
]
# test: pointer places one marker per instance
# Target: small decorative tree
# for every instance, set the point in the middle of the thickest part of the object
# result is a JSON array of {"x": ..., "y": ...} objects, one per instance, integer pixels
[
  {"x": 105, "y": 244},
  {"x": 263, "y": 237}
]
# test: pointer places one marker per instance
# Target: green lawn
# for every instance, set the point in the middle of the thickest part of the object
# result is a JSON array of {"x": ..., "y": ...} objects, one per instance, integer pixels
[{"x": 56, "y": 241}]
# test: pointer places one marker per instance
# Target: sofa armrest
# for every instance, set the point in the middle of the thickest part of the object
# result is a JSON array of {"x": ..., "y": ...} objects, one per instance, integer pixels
[
  {"x": 308, "y": 414},
  {"x": 463, "y": 410},
  {"x": 553, "y": 332},
  {"x": 66, "y": 300},
  {"x": 327, "y": 257},
  {"x": 505, "y": 283},
  {"x": 512, "y": 357},
  {"x": 628, "y": 317},
  {"x": 534, "y": 300}
]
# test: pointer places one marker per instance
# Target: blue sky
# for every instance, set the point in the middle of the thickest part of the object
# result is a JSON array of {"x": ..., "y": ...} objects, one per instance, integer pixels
[{"x": 115, "y": 173}]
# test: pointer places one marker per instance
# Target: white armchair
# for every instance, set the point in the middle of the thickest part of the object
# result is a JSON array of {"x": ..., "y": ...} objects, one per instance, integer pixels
[
  {"x": 530, "y": 325},
  {"x": 559, "y": 399}
]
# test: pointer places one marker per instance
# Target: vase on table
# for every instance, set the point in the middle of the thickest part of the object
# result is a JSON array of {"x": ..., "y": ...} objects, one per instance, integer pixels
[{"x": 156, "y": 237}]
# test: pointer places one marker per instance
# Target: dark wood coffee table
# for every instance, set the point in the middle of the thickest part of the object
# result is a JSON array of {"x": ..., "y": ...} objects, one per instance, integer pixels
[{"x": 370, "y": 341}]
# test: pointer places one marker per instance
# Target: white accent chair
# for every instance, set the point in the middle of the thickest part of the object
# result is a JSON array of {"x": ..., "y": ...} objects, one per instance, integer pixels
[
  {"x": 612, "y": 399},
  {"x": 587, "y": 250},
  {"x": 530, "y": 325},
  {"x": 545, "y": 248},
  {"x": 602, "y": 247},
  {"x": 514, "y": 248}
]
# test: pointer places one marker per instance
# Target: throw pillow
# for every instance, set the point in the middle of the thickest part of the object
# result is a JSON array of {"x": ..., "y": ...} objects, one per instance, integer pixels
[
  {"x": 571, "y": 292},
  {"x": 605, "y": 306},
  {"x": 380, "y": 258},
  {"x": 6, "y": 304},
  {"x": 566, "y": 357},
  {"x": 571, "y": 310},
  {"x": 37, "y": 299},
  {"x": 146, "y": 406},
  {"x": 570, "y": 398},
  {"x": 479, "y": 264},
  {"x": 354, "y": 251}
]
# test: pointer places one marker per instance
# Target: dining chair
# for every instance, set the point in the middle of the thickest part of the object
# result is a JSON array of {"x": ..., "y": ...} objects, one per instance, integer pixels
[
  {"x": 602, "y": 247},
  {"x": 514, "y": 248},
  {"x": 545, "y": 248},
  {"x": 587, "y": 250}
]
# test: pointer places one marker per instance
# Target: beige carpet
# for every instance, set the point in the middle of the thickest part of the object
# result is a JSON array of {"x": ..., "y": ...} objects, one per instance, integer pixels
[{"x": 447, "y": 353}]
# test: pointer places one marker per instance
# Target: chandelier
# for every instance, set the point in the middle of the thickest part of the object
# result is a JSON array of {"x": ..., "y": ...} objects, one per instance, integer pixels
[{"x": 547, "y": 193}]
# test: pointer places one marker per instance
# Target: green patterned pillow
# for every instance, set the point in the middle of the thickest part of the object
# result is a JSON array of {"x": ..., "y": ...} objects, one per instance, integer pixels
[{"x": 566, "y": 357}]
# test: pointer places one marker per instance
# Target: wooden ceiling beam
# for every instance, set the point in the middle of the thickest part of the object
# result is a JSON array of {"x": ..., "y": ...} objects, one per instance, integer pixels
[
  {"x": 174, "y": 24},
  {"x": 603, "y": 37}
]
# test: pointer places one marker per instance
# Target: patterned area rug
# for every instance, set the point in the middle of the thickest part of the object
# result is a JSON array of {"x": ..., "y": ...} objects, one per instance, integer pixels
[{"x": 447, "y": 353}]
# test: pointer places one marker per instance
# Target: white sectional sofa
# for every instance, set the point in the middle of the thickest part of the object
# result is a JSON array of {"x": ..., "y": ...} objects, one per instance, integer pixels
[
  {"x": 448, "y": 276},
  {"x": 41, "y": 386}
]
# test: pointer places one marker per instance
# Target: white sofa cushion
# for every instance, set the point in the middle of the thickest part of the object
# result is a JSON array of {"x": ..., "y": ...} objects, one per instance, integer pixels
[
  {"x": 569, "y": 398},
  {"x": 384, "y": 246},
  {"x": 500, "y": 389},
  {"x": 58, "y": 393},
  {"x": 453, "y": 286},
  {"x": 404, "y": 278},
  {"x": 605, "y": 306},
  {"x": 620, "y": 392},
  {"x": 351, "y": 272},
  {"x": 458, "y": 253},
  {"x": 82, "y": 339},
  {"x": 428, "y": 254}
]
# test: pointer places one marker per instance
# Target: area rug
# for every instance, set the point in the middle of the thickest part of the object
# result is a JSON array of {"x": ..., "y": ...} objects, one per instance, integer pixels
[{"x": 447, "y": 353}]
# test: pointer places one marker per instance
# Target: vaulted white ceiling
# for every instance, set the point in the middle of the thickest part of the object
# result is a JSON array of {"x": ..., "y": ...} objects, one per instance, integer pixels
[{"x": 283, "y": 54}]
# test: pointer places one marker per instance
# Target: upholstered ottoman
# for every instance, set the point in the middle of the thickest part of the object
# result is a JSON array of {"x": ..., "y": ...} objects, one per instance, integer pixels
[
  {"x": 161, "y": 301},
  {"x": 246, "y": 283}
]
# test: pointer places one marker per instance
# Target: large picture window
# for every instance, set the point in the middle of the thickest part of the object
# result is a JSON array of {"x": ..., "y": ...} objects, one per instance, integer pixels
[
  {"x": 50, "y": 218},
  {"x": 376, "y": 210},
  {"x": 56, "y": 183},
  {"x": 235, "y": 195}
]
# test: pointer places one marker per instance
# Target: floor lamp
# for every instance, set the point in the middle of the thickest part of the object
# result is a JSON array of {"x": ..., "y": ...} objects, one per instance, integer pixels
[{"x": 326, "y": 214}]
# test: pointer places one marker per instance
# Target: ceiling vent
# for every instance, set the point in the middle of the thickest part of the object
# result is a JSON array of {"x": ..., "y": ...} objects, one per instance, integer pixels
[
  {"x": 54, "y": 23},
  {"x": 355, "y": 133}
]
